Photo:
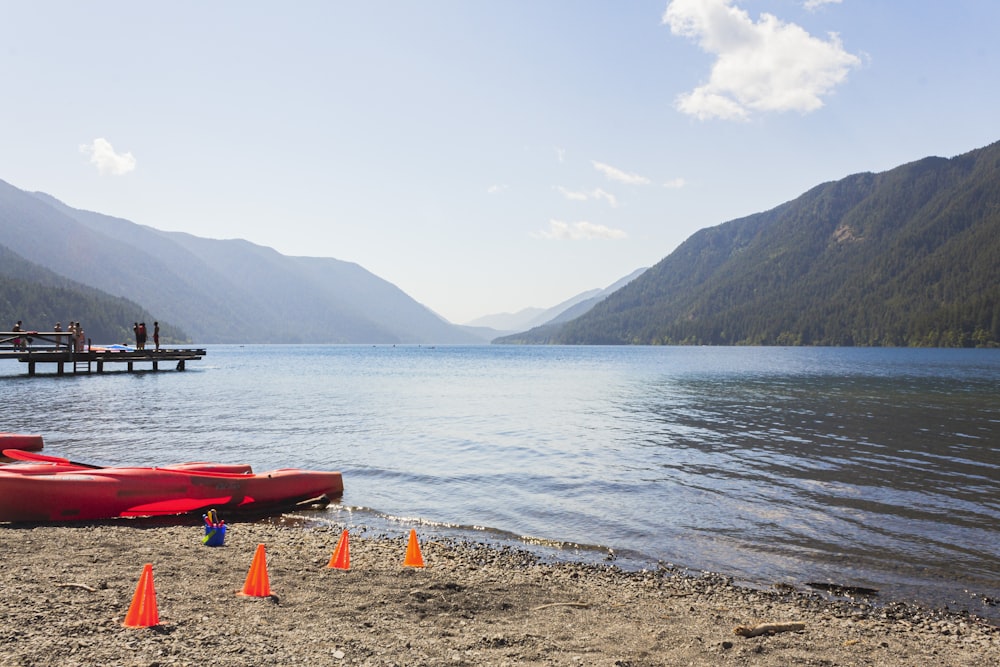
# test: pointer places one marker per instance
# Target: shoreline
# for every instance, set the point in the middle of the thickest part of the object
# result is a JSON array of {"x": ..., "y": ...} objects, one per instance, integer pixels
[
  {"x": 975, "y": 598},
  {"x": 68, "y": 588}
]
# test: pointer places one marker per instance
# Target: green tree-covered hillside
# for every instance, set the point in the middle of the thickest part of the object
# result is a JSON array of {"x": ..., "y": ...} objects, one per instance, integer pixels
[
  {"x": 908, "y": 257},
  {"x": 40, "y": 298}
]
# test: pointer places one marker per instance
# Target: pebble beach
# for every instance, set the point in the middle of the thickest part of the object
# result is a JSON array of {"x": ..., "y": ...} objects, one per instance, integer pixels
[{"x": 66, "y": 591}]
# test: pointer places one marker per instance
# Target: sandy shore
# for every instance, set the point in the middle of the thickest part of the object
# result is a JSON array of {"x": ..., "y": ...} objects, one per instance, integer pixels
[{"x": 66, "y": 590}]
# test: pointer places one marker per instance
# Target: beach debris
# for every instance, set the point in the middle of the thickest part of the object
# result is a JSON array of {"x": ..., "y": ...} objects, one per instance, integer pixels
[
  {"x": 768, "y": 628},
  {"x": 562, "y": 604},
  {"x": 75, "y": 585},
  {"x": 985, "y": 599},
  {"x": 840, "y": 589}
]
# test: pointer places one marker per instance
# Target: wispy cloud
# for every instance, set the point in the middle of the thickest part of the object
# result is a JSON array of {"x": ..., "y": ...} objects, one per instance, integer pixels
[
  {"x": 812, "y": 5},
  {"x": 675, "y": 183},
  {"x": 596, "y": 193},
  {"x": 103, "y": 156},
  {"x": 579, "y": 231},
  {"x": 496, "y": 189},
  {"x": 560, "y": 154},
  {"x": 618, "y": 175},
  {"x": 765, "y": 66}
]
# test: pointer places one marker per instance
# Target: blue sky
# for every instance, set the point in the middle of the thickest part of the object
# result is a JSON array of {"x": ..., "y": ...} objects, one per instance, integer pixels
[{"x": 484, "y": 157}]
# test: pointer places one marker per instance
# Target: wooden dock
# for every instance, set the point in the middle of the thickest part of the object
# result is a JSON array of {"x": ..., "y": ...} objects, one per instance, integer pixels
[{"x": 53, "y": 347}]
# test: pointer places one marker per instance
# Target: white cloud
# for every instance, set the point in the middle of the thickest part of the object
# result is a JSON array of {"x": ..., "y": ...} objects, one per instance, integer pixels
[
  {"x": 606, "y": 196},
  {"x": 675, "y": 183},
  {"x": 496, "y": 189},
  {"x": 764, "y": 66},
  {"x": 560, "y": 154},
  {"x": 618, "y": 175},
  {"x": 597, "y": 193},
  {"x": 812, "y": 5},
  {"x": 579, "y": 231},
  {"x": 103, "y": 156}
]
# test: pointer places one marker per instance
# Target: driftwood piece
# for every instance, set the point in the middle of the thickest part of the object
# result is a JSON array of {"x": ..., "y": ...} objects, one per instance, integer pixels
[
  {"x": 74, "y": 585},
  {"x": 768, "y": 629},
  {"x": 562, "y": 604},
  {"x": 839, "y": 589}
]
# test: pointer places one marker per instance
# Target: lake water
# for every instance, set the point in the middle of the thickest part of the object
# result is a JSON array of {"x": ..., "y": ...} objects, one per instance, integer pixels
[{"x": 865, "y": 467}]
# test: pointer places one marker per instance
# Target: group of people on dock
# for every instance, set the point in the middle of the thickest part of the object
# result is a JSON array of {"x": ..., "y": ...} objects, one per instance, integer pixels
[
  {"x": 139, "y": 328},
  {"x": 75, "y": 337}
]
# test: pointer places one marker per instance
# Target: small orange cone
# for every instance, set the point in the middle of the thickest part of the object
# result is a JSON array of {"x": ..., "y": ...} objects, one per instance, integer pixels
[
  {"x": 341, "y": 558},
  {"x": 257, "y": 584},
  {"x": 413, "y": 555},
  {"x": 142, "y": 612}
]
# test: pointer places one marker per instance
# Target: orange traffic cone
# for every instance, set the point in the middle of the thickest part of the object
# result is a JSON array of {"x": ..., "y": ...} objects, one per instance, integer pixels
[
  {"x": 413, "y": 555},
  {"x": 341, "y": 558},
  {"x": 257, "y": 584},
  {"x": 142, "y": 612}
]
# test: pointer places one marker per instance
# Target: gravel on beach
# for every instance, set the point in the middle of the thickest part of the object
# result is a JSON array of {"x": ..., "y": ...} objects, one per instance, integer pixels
[{"x": 66, "y": 591}]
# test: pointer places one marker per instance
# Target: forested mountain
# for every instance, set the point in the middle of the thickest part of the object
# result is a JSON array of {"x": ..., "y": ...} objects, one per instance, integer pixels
[
  {"x": 218, "y": 291},
  {"x": 907, "y": 257},
  {"x": 40, "y": 298}
]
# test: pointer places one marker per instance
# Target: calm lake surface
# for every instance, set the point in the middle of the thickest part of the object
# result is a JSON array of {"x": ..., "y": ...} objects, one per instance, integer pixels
[{"x": 865, "y": 467}]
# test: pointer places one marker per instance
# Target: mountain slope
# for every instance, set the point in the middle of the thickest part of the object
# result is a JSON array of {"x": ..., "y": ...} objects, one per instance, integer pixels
[
  {"x": 585, "y": 305},
  {"x": 219, "y": 291},
  {"x": 40, "y": 298},
  {"x": 904, "y": 257}
]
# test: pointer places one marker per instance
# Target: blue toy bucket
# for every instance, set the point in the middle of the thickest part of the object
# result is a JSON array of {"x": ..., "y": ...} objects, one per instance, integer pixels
[{"x": 214, "y": 537}]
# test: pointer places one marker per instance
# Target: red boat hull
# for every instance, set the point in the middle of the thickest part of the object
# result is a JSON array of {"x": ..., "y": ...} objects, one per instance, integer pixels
[
  {"x": 28, "y": 443},
  {"x": 80, "y": 495},
  {"x": 50, "y": 467}
]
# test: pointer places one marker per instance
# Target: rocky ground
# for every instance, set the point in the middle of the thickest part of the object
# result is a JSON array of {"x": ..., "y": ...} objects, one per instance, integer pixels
[{"x": 65, "y": 591}]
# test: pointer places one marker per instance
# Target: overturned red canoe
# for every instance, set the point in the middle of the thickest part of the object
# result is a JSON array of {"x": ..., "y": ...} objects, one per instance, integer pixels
[
  {"x": 28, "y": 443},
  {"x": 106, "y": 493}
]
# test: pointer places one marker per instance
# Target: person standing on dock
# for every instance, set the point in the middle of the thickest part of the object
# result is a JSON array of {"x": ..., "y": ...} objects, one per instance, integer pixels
[
  {"x": 17, "y": 341},
  {"x": 57, "y": 328},
  {"x": 156, "y": 335},
  {"x": 142, "y": 335},
  {"x": 135, "y": 330}
]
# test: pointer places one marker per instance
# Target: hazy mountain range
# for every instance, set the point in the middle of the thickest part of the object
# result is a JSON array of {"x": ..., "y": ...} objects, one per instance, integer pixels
[
  {"x": 904, "y": 257},
  {"x": 210, "y": 291}
]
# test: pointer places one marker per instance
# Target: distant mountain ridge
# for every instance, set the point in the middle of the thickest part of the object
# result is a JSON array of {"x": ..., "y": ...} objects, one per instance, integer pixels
[
  {"x": 219, "y": 291},
  {"x": 568, "y": 309},
  {"x": 907, "y": 257}
]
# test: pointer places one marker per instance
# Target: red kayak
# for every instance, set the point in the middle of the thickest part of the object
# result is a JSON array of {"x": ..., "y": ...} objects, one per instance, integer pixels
[
  {"x": 32, "y": 463},
  {"x": 48, "y": 468},
  {"x": 28, "y": 443},
  {"x": 106, "y": 493}
]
